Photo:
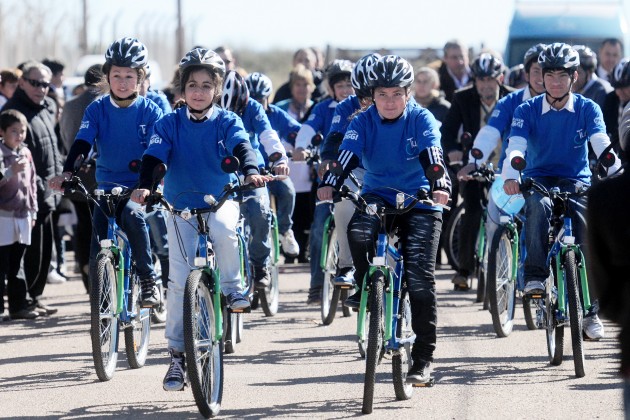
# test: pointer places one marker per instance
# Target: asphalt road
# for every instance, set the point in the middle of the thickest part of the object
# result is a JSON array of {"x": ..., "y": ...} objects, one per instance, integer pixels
[{"x": 291, "y": 366}]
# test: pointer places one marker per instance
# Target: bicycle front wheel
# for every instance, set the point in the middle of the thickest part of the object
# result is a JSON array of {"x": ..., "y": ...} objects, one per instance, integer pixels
[
  {"x": 375, "y": 341},
  {"x": 138, "y": 332},
  {"x": 158, "y": 314},
  {"x": 575, "y": 311},
  {"x": 330, "y": 293},
  {"x": 401, "y": 360},
  {"x": 555, "y": 331},
  {"x": 501, "y": 286},
  {"x": 270, "y": 297},
  {"x": 103, "y": 319},
  {"x": 451, "y": 240},
  {"x": 204, "y": 355}
]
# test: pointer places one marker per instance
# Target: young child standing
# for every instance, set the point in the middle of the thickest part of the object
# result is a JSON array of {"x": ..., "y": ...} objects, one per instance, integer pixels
[{"x": 18, "y": 209}]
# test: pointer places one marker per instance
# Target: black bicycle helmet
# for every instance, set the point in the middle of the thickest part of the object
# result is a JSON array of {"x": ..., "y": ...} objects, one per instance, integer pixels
[
  {"x": 588, "y": 59},
  {"x": 391, "y": 71},
  {"x": 487, "y": 65},
  {"x": 127, "y": 52},
  {"x": 559, "y": 56},
  {"x": 620, "y": 76},
  {"x": 205, "y": 58},
  {"x": 235, "y": 93},
  {"x": 531, "y": 55},
  {"x": 516, "y": 77},
  {"x": 360, "y": 76},
  {"x": 259, "y": 86},
  {"x": 338, "y": 70}
]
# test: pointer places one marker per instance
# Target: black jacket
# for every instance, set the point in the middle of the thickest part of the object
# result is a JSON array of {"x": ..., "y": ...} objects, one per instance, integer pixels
[
  {"x": 465, "y": 113},
  {"x": 42, "y": 142},
  {"x": 611, "y": 115}
]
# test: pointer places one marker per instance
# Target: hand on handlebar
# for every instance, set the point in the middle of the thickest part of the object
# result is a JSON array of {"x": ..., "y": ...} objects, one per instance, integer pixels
[
  {"x": 140, "y": 195},
  {"x": 511, "y": 187},
  {"x": 258, "y": 180},
  {"x": 325, "y": 193},
  {"x": 440, "y": 197},
  {"x": 56, "y": 182},
  {"x": 299, "y": 154},
  {"x": 455, "y": 156},
  {"x": 281, "y": 169},
  {"x": 323, "y": 167}
]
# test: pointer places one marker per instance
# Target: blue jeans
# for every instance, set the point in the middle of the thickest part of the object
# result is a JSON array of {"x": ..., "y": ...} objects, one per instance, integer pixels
[
  {"x": 538, "y": 212},
  {"x": 131, "y": 219},
  {"x": 322, "y": 211},
  {"x": 159, "y": 240},
  {"x": 258, "y": 216},
  {"x": 285, "y": 203}
]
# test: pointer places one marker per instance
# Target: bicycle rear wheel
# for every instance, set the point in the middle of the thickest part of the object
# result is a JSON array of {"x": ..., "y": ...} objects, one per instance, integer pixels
[
  {"x": 138, "y": 332},
  {"x": 330, "y": 293},
  {"x": 204, "y": 355},
  {"x": 529, "y": 317},
  {"x": 375, "y": 341},
  {"x": 451, "y": 240},
  {"x": 158, "y": 314},
  {"x": 103, "y": 319},
  {"x": 269, "y": 299},
  {"x": 401, "y": 360},
  {"x": 555, "y": 331},
  {"x": 575, "y": 311},
  {"x": 230, "y": 328},
  {"x": 501, "y": 287}
]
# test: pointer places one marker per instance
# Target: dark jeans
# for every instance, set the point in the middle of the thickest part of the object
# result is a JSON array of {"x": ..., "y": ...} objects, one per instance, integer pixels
[
  {"x": 38, "y": 254},
  {"x": 83, "y": 235},
  {"x": 472, "y": 194},
  {"x": 419, "y": 234},
  {"x": 10, "y": 266},
  {"x": 302, "y": 219}
]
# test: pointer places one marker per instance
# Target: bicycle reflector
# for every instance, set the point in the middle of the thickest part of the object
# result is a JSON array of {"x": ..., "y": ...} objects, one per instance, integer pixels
[
  {"x": 230, "y": 164},
  {"x": 317, "y": 140},
  {"x": 518, "y": 163},
  {"x": 434, "y": 172},
  {"x": 134, "y": 166},
  {"x": 275, "y": 156},
  {"x": 335, "y": 168},
  {"x": 465, "y": 139},
  {"x": 607, "y": 159},
  {"x": 477, "y": 154}
]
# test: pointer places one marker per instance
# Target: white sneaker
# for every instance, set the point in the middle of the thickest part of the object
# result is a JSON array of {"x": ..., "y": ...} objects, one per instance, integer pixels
[
  {"x": 55, "y": 278},
  {"x": 593, "y": 327},
  {"x": 289, "y": 244}
]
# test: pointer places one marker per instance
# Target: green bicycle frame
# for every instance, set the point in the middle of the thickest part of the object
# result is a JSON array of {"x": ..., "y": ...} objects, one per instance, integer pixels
[
  {"x": 324, "y": 254},
  {"x": 216, "y": 301},
  {"x": 120, "y": 278},
  {"x": 389, "y": 302},
  {"x": 481, "y": 237},
  {"x": 275, "y": 235},
  {"x": 561, "y": 280}
]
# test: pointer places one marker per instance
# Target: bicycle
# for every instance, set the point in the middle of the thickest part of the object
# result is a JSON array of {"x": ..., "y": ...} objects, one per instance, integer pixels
[
  {"x": 384, "y": 296},
  {"x": 114, "y": 295},
  {"x": 566, "y": 298}
]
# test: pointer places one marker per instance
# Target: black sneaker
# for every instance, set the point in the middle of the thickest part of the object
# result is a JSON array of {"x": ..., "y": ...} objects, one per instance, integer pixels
[
  {"x": 41, "y": 309},
  {"x": 175, "y": 378},
  {"x": 420, "y": 372},
  {"x": 235, "y": 300},
  {"x": 314, "y": 296},
  {"x": 150, "y": 293},
  {"x": 353, "y": 302},
  {"x": 261, "y": 277}
]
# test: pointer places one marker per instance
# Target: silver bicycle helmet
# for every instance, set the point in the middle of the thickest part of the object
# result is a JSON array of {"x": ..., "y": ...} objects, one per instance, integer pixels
[{"x": 127, "y": 52}]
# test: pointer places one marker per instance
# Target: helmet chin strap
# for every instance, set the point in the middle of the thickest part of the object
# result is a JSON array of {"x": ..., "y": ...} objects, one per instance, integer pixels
[
  {"x": 555, "y": 100},
  {"x": 199, "y": 111}
]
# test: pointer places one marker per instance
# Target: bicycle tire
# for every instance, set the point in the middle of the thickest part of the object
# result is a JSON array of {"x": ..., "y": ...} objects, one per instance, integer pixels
[
  {"x": 330, "y": 293},
  {"x": 555, "y": 332},
  {"x": 575, "y": 311},
  {"x": 103, "y": 319},
  {"x": 269, "y": 299},
  {"x": 344, "y": 295},
  {"x": 529, "y": 317},
  {"x": 366, "y": 330},
  {"x": 230, "y": 329},
  {"x": 204, "y": 354},
  {"x": 501, "y": 286},
  {"x": 482, "y": 296},
  {"x": 375, "y": 342},
  {"x": 138, "y": 333},
  {"x": 451, "y": 240},
  {"x": 401, "y": 360},
  {"x": 158, "y": 314}
]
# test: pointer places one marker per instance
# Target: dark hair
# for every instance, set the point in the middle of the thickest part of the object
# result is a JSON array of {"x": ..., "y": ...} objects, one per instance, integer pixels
[
  {"x": 54, "y": 65},
  {"x": 94, "y": 74},
  {"x": 216, "y": 79},
  {"x": 612, "y": 41},
  {"x": 10, "y": 117}
]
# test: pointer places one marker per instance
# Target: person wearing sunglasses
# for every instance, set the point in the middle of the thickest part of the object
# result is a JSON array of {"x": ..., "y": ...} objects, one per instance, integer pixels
[{"x": 31, "y": 99}]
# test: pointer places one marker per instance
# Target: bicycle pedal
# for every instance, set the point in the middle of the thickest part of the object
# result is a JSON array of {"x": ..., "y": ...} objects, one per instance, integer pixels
[
  {"x": 240, "y": 310},
  {"x": 344, "y": 287},
  {"x": 534, "y": 296},
  {"x": 425, "y": 384}
]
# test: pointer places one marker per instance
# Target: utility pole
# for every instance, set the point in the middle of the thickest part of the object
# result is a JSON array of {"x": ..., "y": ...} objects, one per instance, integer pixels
[
  {"x": 83, "y": 39},
  {"x": 179, "y": 34}
]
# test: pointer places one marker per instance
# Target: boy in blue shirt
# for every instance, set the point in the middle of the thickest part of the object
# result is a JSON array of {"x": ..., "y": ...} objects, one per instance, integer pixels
[{"x": 552, "y": 131}]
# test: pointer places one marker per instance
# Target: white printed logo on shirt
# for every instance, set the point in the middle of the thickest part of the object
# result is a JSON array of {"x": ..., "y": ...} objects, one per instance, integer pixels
[
  {"x": 84, "y": 124},
  {"x": 517, "y": 122},
  {"x": 351, "y": 134},
  {"x": 155, "y": 139},
  {"x": 336, "y": 119}
]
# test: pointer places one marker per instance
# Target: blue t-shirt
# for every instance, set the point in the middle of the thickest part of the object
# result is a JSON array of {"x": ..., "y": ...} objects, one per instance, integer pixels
[
  {"x": 557, "y": 140},
  {"x": 193, "y": 153},
  {"x": 322, "y": 115},
  {"x": 339, "y": 124},
  {"x": 389, "y": 151},
  {"x": 255, "y": 122},
  {"x": 121, "y": 136},
  {"x": 283, "y": 123},
  {"x": 160, "y": 100},
  {"x": 501, "y": 118}
]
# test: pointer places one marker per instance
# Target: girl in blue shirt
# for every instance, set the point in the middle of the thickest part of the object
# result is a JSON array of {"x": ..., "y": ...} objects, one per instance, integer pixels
[
  {"x": 120, "y": 125},
  {"x": 388, "y": 139},
  {"x": 192, "y": 141}
]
